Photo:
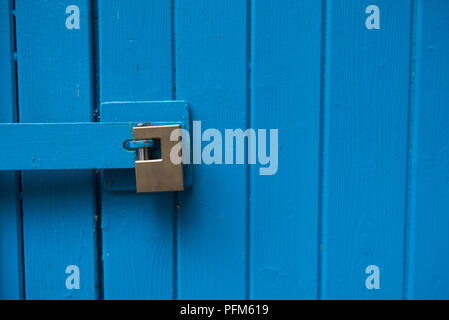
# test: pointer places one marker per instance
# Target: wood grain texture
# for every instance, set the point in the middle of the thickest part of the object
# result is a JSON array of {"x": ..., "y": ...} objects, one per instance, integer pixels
[
  {"x": 337, "y": 203},
  {"x": 366, "y": 103},
  {"x": 86, "y": 145},
  {"x": 285, "y": 95},
  {"x": 10, "y": 245},
  {"x": 428, "y": 261},
  {"x": 211, "y": 74},
  {"x": 54, "y": 83},
  {"x": 66, "y": 146},
  {"x": 135, "y": 65}
]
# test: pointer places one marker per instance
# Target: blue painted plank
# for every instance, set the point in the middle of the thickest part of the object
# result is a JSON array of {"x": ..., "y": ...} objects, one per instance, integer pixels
[
  {"x": 54, "y": 76},
  {"x": 211, "y": 74},
  {"x": 365, "y": 134},
  {"x": 66, "y": 146},
  {"x": 428, "y": 261},
  {"x": 10, "y": 244},
  {"x": 137, "y": 230},
  {"x": 50, "y": 146},
  {"x": 285, "y": 95}
]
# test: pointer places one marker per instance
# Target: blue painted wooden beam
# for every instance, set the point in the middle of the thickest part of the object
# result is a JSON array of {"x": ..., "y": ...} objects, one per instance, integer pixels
[
  {"x": 50, "y": 146},
  {"x": 85, "y": 145},
  {"x": 137, "y": 230},
  {"x": 11, "y": 273}
]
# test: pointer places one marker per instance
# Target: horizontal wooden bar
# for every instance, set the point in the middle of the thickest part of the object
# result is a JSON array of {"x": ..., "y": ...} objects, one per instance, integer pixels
[
  {"x": 85, "y": 145},
  {"x": 51, "y": 146}
]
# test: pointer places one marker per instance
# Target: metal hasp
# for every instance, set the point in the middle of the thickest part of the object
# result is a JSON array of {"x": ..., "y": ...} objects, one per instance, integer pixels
[{"x": 158, "y": 174}]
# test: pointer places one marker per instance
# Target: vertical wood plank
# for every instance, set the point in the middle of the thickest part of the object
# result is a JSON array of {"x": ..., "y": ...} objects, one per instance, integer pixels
[
  {"x": 54, "y": 79},
  {"x": 10, "y": 244},
  {"x": 429, "y": 180},
  {"x": 367, "y": 77},
  {"x": 211, "y": 71},
  {"x": 285, "y": 95},
  {"x": 135, "y": 64}
]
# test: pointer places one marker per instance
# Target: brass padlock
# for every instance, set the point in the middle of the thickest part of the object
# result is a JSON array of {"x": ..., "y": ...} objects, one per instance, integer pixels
[{"x": 157, "y": 174}]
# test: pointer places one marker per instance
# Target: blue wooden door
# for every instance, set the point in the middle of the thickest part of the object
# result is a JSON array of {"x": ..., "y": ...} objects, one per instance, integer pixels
[{"x": 354, "y": 92}]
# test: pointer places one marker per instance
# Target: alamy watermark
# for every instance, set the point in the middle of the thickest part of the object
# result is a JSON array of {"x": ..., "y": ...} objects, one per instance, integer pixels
[{"x": 261, "y": 149}]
